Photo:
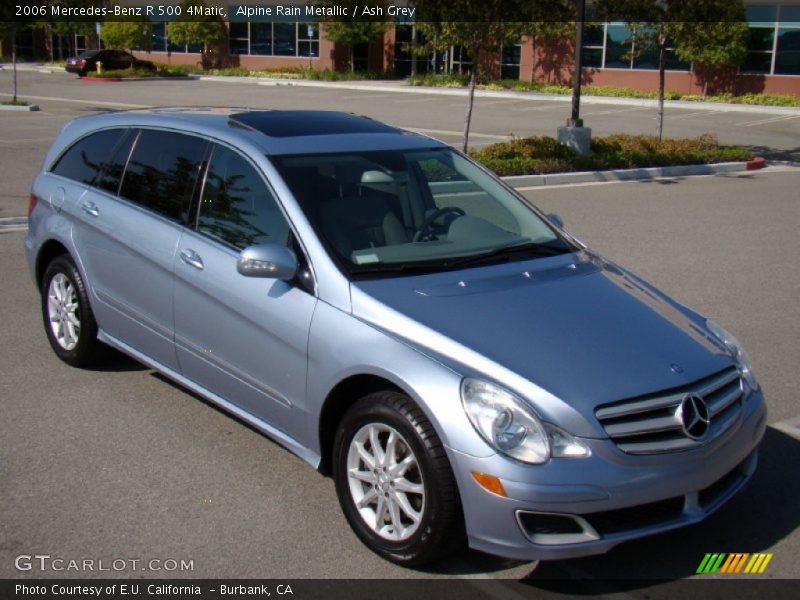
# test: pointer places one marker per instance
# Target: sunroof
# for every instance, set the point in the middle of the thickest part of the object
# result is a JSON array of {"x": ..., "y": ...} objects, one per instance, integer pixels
[{"x": 295, "y": 123}]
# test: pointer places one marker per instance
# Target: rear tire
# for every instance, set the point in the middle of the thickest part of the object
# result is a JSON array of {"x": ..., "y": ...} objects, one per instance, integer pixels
[
  {"x": 68, "y": 319},
  {"x": 394, "y": 481}
]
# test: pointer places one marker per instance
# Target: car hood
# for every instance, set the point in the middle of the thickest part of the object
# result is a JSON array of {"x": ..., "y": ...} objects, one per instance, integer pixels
[{"x": 575, "y": 326}]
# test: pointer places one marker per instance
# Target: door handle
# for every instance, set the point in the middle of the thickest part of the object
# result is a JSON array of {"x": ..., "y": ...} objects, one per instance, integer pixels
[
  {"x": 90, "y": 208},
  {"x": 192, "y": 258}
]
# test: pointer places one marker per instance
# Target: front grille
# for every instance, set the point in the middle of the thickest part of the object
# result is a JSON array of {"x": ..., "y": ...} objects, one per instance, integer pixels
[
  {"x": 636, "y": 517},
  {"x": 652, "y": 424}
]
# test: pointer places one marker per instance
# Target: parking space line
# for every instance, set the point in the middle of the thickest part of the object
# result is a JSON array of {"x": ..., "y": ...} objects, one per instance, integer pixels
[
  {"x": 618, "y": 110},
  {"x": 546, "y": 107},
  {"x": 693, "y": 114},
  {"x": 458, "y": 133},
  {"x": 365, "y": 96},
  {"x": 766, "y": 121},
  {"x": 91, "y": 102}
]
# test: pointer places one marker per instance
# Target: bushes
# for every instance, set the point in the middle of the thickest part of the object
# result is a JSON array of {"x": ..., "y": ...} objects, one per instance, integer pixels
[
  {"x": 541, "y": 155},
  {"x": 461, "y": 80}
]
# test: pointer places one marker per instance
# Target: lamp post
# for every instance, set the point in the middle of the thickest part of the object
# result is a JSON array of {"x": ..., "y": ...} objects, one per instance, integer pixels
[{"x": 574, "y": 135}]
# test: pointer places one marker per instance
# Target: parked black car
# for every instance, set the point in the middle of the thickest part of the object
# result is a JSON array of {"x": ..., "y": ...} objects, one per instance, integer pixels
[{"x": 87, "y": 61}]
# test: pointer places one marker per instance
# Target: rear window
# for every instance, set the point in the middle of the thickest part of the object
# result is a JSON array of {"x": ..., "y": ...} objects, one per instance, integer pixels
[
  {"x": 88, "y": 54},
  {"x": 162, "y": 172},
  {"x": 84, "y": 161}
]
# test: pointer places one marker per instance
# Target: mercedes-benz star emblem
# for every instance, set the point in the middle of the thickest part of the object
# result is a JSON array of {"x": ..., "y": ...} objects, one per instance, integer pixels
[{"x": 694, "y": 417}]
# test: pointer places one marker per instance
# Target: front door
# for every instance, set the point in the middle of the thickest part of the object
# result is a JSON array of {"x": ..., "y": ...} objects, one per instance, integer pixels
[{"x": 242, "y": 338}]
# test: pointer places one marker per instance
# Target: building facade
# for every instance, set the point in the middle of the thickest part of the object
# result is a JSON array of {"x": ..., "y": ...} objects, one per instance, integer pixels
[{"x": 609, "y": 52}]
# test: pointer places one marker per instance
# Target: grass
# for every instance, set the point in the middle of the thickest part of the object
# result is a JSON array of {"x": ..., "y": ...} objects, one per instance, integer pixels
[
  {"x": 461, "y": 80},
  {"x": 541, "y": 155},
  {"x": 16, "y": 102}
]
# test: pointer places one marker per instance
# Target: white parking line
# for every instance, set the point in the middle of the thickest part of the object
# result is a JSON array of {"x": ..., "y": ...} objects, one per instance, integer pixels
[
  {"x": 765, "y": 121},
  {"x": 546, "y": 107},
  {"x": 617, "y": 110},
  {"x": 364, "y": 96},
  {"x": 457, "y": 133},
  {"x": 91, "y": 102},
  {"x": 691, "y": 114}
]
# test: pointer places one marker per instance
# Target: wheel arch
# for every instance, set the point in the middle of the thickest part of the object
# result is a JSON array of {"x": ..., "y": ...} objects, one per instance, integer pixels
[
  {"x": 48, "y": 251},
  {"x": 343, "y": 395}
]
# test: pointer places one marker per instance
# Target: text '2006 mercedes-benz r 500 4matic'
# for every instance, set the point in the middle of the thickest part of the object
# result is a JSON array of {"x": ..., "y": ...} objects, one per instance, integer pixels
[{"x": 398, "y": 317}]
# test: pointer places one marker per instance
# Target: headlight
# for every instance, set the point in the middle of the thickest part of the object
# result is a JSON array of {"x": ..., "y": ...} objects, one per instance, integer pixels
[
  {"x": 736, "y": 350},
  {"x": 510, "y": 427}
]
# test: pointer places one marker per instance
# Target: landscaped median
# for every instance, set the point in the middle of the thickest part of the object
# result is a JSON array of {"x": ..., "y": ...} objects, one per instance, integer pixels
[
  {"x": 160, "y": 72},
  {"x": 461, "y": 80},
  {"x": 544, "y": 155}
]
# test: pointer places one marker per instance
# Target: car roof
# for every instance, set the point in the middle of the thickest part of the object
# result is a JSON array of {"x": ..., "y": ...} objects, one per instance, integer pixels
[{"x": 275, "y": 132}]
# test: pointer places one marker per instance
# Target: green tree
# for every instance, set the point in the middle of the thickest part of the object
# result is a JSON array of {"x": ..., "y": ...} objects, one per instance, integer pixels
[
  {"x": 205, "y": 30},
  {"x": 705, "y": 32},
  {"x": 714, "y": 44},
  {"x": 358, "y": 30},
  {"x": 126, "y": 35},
  {"x": 8, "y": 31},
  {"x": 477, "y": 26}
]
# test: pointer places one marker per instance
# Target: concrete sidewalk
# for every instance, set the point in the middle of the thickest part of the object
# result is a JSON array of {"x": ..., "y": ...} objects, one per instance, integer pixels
[{"x": 401, "y": 87}]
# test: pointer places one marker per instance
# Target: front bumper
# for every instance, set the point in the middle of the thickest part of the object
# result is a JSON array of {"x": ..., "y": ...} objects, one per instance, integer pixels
[{"x": 607, "y": 498}]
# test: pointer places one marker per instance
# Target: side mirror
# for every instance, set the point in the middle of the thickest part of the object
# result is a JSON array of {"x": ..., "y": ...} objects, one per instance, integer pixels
[
  {"x": 556, "y": 220},
  {"x": 271, "y": 261}
]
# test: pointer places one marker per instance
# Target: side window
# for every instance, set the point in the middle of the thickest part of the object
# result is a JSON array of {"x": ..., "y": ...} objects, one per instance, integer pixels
[
  {"x": 111, "y": 175},
  {"x": 237, "y": 208},
  {"x": 83, "y": 162},
  {"x": 162, "y": 172}
]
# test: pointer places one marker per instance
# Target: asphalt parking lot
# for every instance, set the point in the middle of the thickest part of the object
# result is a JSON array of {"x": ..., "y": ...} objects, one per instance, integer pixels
[{"x": 118, "y": 462}]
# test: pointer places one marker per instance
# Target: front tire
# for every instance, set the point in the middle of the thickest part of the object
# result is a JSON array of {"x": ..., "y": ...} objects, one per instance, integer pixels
[
  {"x": 68, "y": 319},
  {"x": 394, "y": 481}
]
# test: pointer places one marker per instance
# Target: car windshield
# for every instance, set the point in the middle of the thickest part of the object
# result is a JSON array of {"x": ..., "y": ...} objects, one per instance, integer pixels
[{"x": 421, "y": 210}]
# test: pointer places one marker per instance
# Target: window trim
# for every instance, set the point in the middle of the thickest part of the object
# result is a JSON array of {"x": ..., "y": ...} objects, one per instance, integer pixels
[
  {"x": 142, "y": 128},
  {"x": 192, "y": 226}
]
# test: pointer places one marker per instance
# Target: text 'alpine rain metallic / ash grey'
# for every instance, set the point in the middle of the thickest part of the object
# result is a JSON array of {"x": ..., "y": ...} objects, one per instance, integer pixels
[{"x": 373, "y": 300}]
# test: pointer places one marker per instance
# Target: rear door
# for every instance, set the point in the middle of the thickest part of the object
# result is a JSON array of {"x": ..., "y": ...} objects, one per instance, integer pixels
[
  {"x": 128, "y": 241},
  {"x": 243, "y": 338}
]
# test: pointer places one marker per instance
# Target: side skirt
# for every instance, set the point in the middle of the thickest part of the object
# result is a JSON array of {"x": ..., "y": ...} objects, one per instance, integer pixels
[{"x": 284, "y": 440}]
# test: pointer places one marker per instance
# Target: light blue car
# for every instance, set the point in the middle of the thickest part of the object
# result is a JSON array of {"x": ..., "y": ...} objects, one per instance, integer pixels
[{"x": 398, "y": 317}]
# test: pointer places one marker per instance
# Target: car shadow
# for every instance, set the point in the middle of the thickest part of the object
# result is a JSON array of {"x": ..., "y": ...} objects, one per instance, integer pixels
[{"x": 756, "y": 519}]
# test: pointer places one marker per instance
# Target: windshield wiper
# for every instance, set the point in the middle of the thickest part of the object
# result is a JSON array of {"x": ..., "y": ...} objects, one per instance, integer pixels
[{"x": 506, "y": 253}]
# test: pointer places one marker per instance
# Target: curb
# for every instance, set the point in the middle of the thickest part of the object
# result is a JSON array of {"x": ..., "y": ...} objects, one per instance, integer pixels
[
  {"x": 525, "y": 181},
  {"x": 20, "y": 108},
  {"x": 92, "y": 79}
]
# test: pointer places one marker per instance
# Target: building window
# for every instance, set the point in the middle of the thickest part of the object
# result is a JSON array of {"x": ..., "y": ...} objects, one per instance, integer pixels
[
  {"x": 308, "y": 39},
  {"x": 774, "y": 44},
  {"x": 613, "y": 46},
  {"x": 239, "y": 36},
  {"x": 460, "y": 60},
  {"x": 274, "y": 39},
  {"x": 510, "y": 57},
  {"x": 594, "y": 36}
]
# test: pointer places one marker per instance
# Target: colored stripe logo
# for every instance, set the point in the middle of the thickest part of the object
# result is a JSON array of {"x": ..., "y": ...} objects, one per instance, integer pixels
[{"x": 736, "y": 562}]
